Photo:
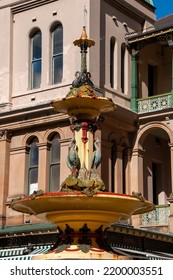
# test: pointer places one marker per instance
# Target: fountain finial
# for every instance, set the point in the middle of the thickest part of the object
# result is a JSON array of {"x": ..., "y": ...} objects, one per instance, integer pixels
[{"x": 84, "y": 41}]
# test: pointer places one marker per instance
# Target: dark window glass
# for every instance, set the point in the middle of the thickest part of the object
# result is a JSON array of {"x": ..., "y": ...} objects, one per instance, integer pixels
[
  {"x": 112, "y": 50},
  {"x": 55, "y": 163},
  {"x": 34, "y": 153},
  {"x": 36, "y": 45},
  {"x": 57, "y": 66},
  {"x": 152, "y": 80},
  {"x": 57, "y": 40},
  {"x": 33, "y": 174},
  {"x": 122, "y": 67},
  {"x": 33, "y": 166},
  {"x": 36, "y": 74},
  {"x": 55, "y": 175},
  {"x": 36, "y": 56},
  {"x": 57, "y": 54}
]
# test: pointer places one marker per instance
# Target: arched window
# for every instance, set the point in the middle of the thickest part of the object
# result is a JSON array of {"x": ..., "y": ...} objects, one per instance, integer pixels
[
  {"x": 54, "y": 179},
  {"x": 36, "y": 57},
  {"x": 33, "y": 165},
  {"x": 57, "y": 53},
  {"x": 123, "y": 67},
  {"x": 112, "y": 59}
]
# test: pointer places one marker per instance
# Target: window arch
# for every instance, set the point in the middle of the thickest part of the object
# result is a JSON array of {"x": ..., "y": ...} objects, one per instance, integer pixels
[
  {"x": 36, "y": 58},
  {"x": 54, "y": 174},
  {"x": 57, "y": 52},
  {"x": 33, "y": 165}
]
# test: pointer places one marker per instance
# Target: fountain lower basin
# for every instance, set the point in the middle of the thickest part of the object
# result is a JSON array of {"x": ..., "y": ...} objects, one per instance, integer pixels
[{"x": 77, "y": 209}]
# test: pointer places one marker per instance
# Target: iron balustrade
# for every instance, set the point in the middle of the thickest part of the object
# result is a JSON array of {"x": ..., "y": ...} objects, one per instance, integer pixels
[
  {"x": 154, "y": 103},
  {"x": 159, "y": 216}
]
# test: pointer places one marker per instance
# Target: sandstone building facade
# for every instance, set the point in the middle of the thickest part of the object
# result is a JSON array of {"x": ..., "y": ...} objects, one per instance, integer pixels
[{"x": 132, "y": 63}]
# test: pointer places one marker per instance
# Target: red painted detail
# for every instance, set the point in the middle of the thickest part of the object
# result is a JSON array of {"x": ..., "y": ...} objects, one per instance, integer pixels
[
  {"x": 80, "y": 194},
  {"x": 97, "y": 250},
  {"x": 76, "y": 193},
  {"x": 84, "y": 132},
  {"x": 52, "y": 251},
  {"x": 72, "y": 250}
]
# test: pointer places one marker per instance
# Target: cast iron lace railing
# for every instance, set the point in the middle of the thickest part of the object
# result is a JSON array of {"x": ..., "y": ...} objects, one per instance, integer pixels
[
  {"x": 159, "y": 216},
  {"x": 154, "y": 103}
]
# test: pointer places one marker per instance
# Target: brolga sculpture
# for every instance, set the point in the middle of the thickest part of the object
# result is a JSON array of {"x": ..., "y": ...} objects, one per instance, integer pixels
[
  {"x": 73, "y": 161},
  {"x": 96, "y": 160}
]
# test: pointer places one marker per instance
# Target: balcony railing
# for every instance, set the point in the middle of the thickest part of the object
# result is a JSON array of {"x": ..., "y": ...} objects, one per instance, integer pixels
[
  {"x": 159, "y": 216},
  {"x": 154, "y": 103}
]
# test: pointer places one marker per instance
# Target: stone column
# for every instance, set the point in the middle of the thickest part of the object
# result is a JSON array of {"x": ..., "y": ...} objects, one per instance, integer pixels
[
  {"x": 137, "y": 171},
  {"x": 172, "y": 79},
  {"x": 171, "y": 152},
  {"x": 136, "y": 180},
  {"x": 64, "y": 170},
  {"x": 6, "y": 48},
  {"x": 128, "y": 153},
  {"x": 18, "y": 177},
  {"x": 4, "y": 173},
  {"x": 118, "y": 171},
  {"x": 43, "y": 170},
  {"x": 134, "y": 85},
  {"x": 170, "y": 223},
  {"x": 18, "y": 182},
  {"x": 106, "y": 164},
  {"x": 170, "y": 198}
]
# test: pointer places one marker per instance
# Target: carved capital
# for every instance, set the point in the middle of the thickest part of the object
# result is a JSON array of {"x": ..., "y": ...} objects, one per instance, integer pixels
[
  {"x": 5, "y": 135},
  {"x": 170, "y": 198},
  {"x": 134, "y": 53}
]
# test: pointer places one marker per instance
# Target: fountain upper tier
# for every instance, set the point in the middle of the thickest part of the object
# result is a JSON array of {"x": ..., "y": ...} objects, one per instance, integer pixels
[{"x": 82, "y": 100}]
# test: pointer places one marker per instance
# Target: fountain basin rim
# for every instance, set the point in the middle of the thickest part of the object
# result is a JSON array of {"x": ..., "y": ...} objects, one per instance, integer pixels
[
  {"x": 112, "y": 201},
  {"x": 84, "y": 105}
]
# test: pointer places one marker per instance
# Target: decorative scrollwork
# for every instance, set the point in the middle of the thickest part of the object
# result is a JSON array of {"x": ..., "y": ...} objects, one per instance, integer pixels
[{"x": 82, "y": 78}]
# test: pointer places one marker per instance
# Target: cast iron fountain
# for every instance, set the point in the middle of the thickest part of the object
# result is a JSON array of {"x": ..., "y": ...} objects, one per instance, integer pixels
[{"x": 83, "y": 208}]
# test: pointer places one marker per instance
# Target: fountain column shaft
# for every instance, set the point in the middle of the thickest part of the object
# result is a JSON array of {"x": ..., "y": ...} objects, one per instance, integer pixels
[{"x": 84, "y": 141}]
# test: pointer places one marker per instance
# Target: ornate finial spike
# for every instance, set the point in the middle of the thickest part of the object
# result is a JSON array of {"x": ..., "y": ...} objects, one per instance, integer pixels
[
  {"x": 84, "y": 34},
  {"x": 85, "y": 15},
  {"x": 83, "y": 76},
  {"x": 84, "y": 40}
]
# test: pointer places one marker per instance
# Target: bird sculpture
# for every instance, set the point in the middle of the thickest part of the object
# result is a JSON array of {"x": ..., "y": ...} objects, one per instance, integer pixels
[
  {"x": 96, "y": 160},
  {"x": 138, "y": 195},
  {"x": 73, "y": 161}
]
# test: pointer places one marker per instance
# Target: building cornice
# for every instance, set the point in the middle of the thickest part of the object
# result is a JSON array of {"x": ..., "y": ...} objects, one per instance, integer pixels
[
  {"x": 130, "y": 10},
  {"x": 143, "y": 39},
  {"x": 23, "y": 5},
  {"x": 142, "y": 233},
  {"x": 147, "y": 4},
  {"x": 26, "y": 117}
]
